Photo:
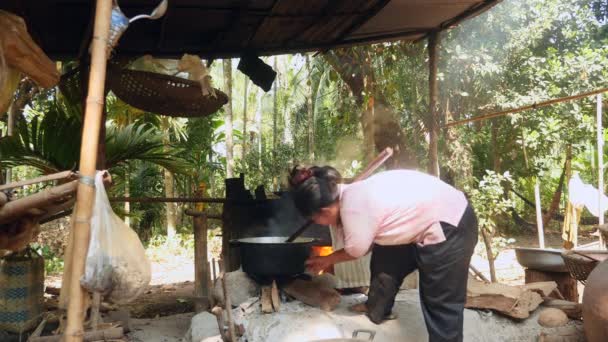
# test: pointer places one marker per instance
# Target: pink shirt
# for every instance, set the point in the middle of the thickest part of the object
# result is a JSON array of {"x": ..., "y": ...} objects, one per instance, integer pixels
[{"x": 397, "y": 207}]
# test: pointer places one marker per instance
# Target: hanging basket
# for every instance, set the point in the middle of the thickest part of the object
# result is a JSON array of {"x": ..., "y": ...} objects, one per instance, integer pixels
[
  {"x": 163, "y": 94},
  {"x": 21, "y": 291}
]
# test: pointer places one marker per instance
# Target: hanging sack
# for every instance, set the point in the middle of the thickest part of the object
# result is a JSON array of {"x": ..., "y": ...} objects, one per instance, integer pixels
[
  {"x": 21, "y": 291},
  {"x": 116, "y": 265}
]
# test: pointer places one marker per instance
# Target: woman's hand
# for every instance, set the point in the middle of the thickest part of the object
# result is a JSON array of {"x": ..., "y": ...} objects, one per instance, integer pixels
[{"x": 316, "y": 264}]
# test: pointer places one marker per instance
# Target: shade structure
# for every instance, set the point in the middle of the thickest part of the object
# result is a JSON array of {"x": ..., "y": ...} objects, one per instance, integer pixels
[{"x": 227, "y": 28}]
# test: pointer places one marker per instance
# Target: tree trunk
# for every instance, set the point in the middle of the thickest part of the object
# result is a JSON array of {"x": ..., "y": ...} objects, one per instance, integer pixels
[
  {"x": 258, "y": 122},
  {"x": 12, "y": 116},
  {"x": 487, "y": 240},
  {"x": 379, "y": 121},
  {"x": 433, "y": 121},
  {"x": 459, "y": 167},
  {"x": 310, "y": 119},
  {"x": 245, "y": 134},
  {"x": 558, "y": 192},
  {"x": 25, "y": 92},
  {"x": 497, "y": 162},
  {"x": 275, "y": 109},
  {"x": 168, "y": 181},
  {"x": 228, "y": 118}
]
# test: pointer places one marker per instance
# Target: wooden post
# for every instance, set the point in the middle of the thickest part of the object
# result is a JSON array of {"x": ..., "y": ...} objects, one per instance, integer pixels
[
  {"x": 433, "y": 167},
  {"x": 88, "y": 158},
  {"x": 201, "y": 269},
  {"x": 600, "y": 164}
]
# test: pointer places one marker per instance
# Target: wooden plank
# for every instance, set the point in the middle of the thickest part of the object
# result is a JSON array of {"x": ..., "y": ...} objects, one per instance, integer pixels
[
  {"x": 276, "y": 300},
  {"x": 266, "y": 299}
]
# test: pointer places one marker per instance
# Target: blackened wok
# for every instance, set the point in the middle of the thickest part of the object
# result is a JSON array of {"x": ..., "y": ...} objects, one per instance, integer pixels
[{"x": 271, "y": 256}]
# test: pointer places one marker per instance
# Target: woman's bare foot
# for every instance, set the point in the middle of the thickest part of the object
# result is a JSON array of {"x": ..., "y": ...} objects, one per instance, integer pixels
[{"x": 359, "y": 308}]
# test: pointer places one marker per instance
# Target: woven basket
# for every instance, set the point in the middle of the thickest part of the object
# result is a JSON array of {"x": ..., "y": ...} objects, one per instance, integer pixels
[
  {"x": 151, "y": 92},
  {"x": 21, "y": 291},
  {"x": 579, "y": 265},
  {"x": 163, "y": 94}
]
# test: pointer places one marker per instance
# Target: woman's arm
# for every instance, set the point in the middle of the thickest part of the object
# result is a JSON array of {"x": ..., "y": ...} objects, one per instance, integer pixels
[
  {"x": 317, "y": 264},
  {"x": 340, "y": 256}
]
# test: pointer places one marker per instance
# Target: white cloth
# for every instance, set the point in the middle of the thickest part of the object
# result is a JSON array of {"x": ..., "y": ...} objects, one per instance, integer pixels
[{"x": 581, "y": 194}]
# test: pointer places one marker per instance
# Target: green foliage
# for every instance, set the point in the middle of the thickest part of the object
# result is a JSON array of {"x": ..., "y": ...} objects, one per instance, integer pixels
[
  {"x": 53, "y": 264},
  {"x": 489, "y": 199}
]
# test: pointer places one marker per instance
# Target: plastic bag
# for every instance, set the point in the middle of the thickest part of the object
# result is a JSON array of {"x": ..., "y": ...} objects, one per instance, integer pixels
[{"x": 116, "y": 264}]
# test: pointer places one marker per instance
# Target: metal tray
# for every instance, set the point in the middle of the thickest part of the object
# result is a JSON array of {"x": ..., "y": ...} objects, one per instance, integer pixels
[{"x": 541, "y": 259}]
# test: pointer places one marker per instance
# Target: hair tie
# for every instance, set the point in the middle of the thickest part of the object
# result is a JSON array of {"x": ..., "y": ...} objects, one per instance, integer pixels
[{"x": 301, "y": 176}]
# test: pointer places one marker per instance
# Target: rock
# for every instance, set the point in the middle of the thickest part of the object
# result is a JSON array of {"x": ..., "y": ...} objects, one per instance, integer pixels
[
  {"x": 239, "y": 286},
  {"x": 204, "y": 328},
  {"x": 552, "y": 317}
]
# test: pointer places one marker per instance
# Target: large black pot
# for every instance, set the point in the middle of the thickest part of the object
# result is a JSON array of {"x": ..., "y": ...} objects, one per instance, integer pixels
[{"x": 272, "y": 257}]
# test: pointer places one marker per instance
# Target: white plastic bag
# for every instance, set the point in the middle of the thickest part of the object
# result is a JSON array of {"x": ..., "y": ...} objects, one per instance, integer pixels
[{"x": 116, "y": 264}]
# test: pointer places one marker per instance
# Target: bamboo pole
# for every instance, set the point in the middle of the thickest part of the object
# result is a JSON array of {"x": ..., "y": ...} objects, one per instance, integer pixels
[
  {"x": 433, "y": 167},
  {"x": 183, "y": 200},
  {"x": 528, "y": 107},
  {"x": 600, "y": 164},
  {"x": 55, "y": 176},
  {"x": 88, "y": 159},
  {"x": 15, "y": 209}
]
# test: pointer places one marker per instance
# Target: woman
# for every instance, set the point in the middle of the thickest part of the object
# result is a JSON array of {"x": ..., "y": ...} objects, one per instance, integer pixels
[{"x": 408, "y": 220}]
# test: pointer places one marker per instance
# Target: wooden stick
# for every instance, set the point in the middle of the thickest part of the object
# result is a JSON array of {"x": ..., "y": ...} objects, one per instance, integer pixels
[
  {"x": 201, "y": 270},
  {"x": 17, "y": 208},
  {"x": 219, "y": 315},
  {"x": 99, "y": 335},
  {"x": 266, "y": 299},
  {"x": 528, "y": 107},
  {"x": 88, "y": 159},
  {"x": 276, "y": 300},
  {"x": 38, "y": 330},
  {"x": 228, "y": 307},
  {"x": 55, "y": 176},
  {"x": 95, "y": 318},
  {"x": 479, "y": 274},
  {"x": 195, "y": 213}
]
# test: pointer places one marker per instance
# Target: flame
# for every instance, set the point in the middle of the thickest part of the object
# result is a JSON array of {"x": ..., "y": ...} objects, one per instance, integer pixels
[{"x": 322, "y": 251}]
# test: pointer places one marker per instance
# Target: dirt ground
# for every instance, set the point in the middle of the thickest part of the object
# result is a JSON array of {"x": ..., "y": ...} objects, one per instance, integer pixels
[{"x": 163, "y": 312}]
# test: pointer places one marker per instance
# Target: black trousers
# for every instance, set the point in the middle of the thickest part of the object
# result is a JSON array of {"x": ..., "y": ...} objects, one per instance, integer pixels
[{"x": 443, "y": 269}]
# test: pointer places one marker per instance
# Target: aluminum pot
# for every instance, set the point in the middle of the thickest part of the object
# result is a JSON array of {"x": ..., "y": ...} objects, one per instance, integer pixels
[
  {"x": 271, "y": 256},
  {"x": 542, "y": 259}
]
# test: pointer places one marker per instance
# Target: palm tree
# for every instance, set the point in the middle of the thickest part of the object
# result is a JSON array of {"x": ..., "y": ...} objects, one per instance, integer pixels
[{"x": 51, "y": 143}]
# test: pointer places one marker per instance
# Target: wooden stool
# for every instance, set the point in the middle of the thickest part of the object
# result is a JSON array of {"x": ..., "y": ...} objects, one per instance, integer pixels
[{"x": 566, "y": 284}]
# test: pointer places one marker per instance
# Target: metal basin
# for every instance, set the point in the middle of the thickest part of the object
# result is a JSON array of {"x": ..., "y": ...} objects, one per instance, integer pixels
[{"x": 541, "y": 259}]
